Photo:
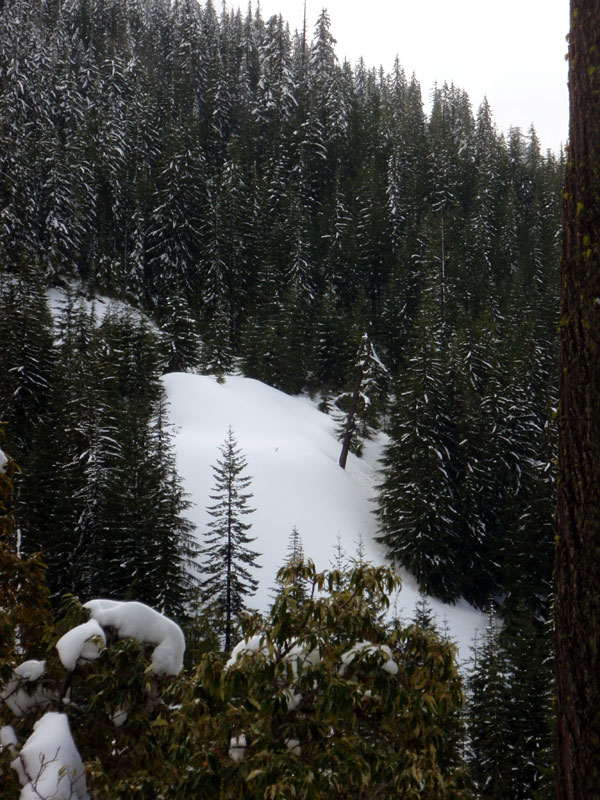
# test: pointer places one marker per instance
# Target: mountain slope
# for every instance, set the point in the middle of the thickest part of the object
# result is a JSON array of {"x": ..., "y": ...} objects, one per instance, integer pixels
[{"x": 292, "y": 455}]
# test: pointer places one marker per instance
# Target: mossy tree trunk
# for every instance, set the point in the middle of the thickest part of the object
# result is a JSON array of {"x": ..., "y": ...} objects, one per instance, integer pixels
[{"x": 577, "y": 570}]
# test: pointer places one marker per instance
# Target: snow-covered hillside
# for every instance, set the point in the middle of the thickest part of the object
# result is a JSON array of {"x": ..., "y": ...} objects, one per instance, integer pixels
[{"x": 292, "y": 455}]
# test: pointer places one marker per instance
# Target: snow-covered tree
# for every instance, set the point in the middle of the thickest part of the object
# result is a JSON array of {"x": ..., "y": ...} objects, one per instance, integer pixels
[
  {"x": 488, "y": 723},
  {"x": 369, "y": 387},
  {"x": 418, "y": 503},
  {"x": 317, "y": 700},
  {"x": 228, "y": 561}
]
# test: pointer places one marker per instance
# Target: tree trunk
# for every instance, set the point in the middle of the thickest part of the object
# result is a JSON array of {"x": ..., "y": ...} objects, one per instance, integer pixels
[
  {"x": 351, "y": 420},
  {"x": 577, "y": 566}
]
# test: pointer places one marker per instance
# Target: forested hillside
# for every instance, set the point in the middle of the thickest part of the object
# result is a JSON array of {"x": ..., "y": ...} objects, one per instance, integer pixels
[{"x": 269, "y": 210}]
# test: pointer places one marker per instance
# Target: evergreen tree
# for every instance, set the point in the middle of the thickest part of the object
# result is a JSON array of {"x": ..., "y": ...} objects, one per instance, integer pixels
[
  {"x": 525, "y": 643},
  {"x": 365, "y": 400},
  {"x": 294, "y": 558},
  {"x": 418, "y": 504},
  {"x": 488, "y": 721},
  {"x": 228, "y": 560},
  {"x": 424, "y": 615},
  {"x": 147, "y": 553},
  {"x": 181, "y": 339}
]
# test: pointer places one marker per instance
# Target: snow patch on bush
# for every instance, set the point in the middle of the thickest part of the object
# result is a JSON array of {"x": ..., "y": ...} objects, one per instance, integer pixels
[
  {"x": 237, "y": 748},
  {"x": 368, "y": 648},
  {"x": 49, "y": 765},
  {"x": 84, "y": 642},
  {"x": 140, "y": 622},
  {"x": 21, "y": 700},
  {"x": 255, "y": 644}
]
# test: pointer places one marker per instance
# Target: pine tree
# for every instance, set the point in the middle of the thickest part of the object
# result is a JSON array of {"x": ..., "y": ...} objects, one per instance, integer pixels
[
  {"x": 181, "y": 338},
  {"x": 228, "y": 560},
  {"x": 418, "y": 503},
  {"x": 488, "y": 717},
  {"x": 365, "y": 400},
  {"x": 147, "y": 552},
  {"x": 294, "y": 558},
  {"x": 424, "y": 615},
  {"x": 526, "y": 647}
]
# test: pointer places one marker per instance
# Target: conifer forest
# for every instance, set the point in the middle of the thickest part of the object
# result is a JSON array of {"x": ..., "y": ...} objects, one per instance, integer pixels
[{"x": 254, "y": 205}]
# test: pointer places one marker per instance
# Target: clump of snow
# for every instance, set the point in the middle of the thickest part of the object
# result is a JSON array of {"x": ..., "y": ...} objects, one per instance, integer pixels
[
  {"x": 146, "y": 625},
  {"x": 8, "y": 738},
  {"x": 237, "y": 748},
  {"x": 49, "y": 765},
  {"x": 84, "y": 642},
  {"x": 293, "y": 745},
  {"x": 30, "y": 670},
  {"x": 21, "y": 699},
  {"x": 120, "y": 717},
  {"x": 293, "y": 699},
  {"x": 3, "y": 461},
  {"x": 300, "y": 657},
  {"x": 368, "y": 648},
  {"x": 297, "y": 656},
  {"x": 255, "y": 644}
]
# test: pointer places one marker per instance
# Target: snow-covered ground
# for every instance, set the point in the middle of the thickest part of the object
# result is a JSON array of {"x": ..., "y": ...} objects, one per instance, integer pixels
[{"x": 292, "y": 454}]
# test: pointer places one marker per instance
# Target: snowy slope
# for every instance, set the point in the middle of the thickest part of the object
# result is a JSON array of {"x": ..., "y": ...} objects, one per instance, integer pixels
[{"x": 292, "y": 456}]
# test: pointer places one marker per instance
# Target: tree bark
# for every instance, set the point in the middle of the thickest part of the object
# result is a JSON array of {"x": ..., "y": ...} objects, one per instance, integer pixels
[
  {"x": 351, "y": 419},
  {"x": 577, "y": 566}
]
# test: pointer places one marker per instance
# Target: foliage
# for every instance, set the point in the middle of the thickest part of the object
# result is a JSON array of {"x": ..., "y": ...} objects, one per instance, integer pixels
[
  {"x": 320, "y": 700},
  {"x": 266, "y": 203}
]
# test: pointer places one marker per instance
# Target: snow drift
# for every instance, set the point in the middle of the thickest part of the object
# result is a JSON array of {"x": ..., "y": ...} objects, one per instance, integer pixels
[{"x": 292, "y": 455}]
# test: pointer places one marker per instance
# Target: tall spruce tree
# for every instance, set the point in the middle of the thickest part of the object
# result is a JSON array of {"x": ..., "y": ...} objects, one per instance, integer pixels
[
  {"x": 488, "y": 716},
  {"x": 228, "y": 561},
  {"x": 418, "y": 503},
  {"x": 577, "y": 566}
]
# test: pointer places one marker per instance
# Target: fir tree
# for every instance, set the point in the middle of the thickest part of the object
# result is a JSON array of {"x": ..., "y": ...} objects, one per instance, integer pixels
[
  {"x": 418, "y": 505},
  {"x": 488, "y": 716},
  {"x": 294, "y": 558},
  {"x": 362, "y": 404},
  {"x": 228, "y": 561}
]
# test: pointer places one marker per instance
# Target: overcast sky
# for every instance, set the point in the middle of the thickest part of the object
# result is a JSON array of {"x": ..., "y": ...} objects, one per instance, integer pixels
[{"x": 512, "y": 51}]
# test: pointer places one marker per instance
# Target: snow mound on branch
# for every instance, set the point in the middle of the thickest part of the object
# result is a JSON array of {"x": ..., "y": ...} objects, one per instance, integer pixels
[
  {"x": 30, "y": 670},
  {"x": 255, "y": 644},
  {"x": 3, "y": 461},
  {"x": 237, "y": 748},
  {"x": 297, "y": 654},
  {"x": 8, "y": 738},
  {"x": 140, "y": 622},
  {"x": 83, "y": 642},
  {"x": 21, "y": 700},
  {"x": 368, "y": 648},
  {"x": 49, "y": 765}
]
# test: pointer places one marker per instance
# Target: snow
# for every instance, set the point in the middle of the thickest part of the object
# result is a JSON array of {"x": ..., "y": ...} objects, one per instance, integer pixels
[
  {"x": 83, "y": 642},
  {"x": 389, "y": 665},
  {"x": 292, "y": 454},
  {"x": 3, "y": 461},
  {"x": 101, "y": 306},
  {"x": 142, "y": 623},
  {"x": 30, "y": 670},
  {"x": 237, "y": 748},
  {"x": 297, "y": 654},
  {"x": 21, "y": 700},
  {"x": 293, "y": 745},
  {"x": 256, "y": 644},
  {"x": 8, "y": 738},
  {"x": 49, "y": 765}
]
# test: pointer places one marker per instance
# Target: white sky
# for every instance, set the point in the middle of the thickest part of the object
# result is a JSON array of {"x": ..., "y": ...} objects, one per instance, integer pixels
[{"x": 512, "y": 51}]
